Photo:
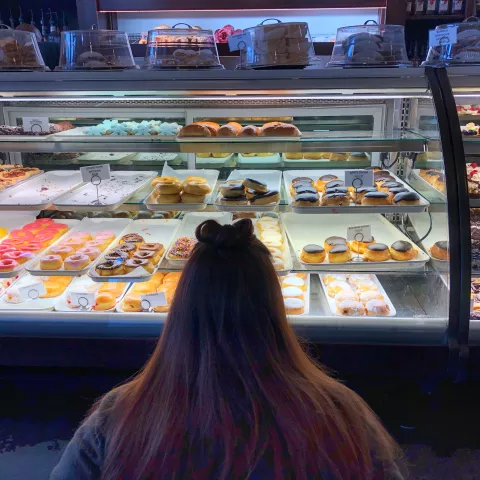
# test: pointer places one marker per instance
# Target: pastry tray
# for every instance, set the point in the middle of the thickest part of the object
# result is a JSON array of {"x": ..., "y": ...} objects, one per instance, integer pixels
[
  {"x": 423, "y": 186},
  {"x": 90, "y": 225},
  {"x": 77, "y": 285},
  {"x": 74, "y": 133},
  {"x": 113, "y": 193},
  {"x": 41, "y": 189},
  {"x": 210, "y": 176},
  {"x": 274, "y": 160},
  {"x": 38, "y": 304},
  {"x": 71, "y": 223},
  {"x": 213, "y": 161},
  {"x": 153, "y": 231},
  {"x": 325, "y": 163},
  {"x": 154, "y": 317},
  {"x": 333, "y": 307},
  {"x": 11, "y": 221},
  {"x": 105, "y": 157},
  {"x": 188, "y": 226},
  {"x": 273, "y": 179},
  {"x": 149, "y": 158},
  {"x": 287, "y": 255},
  {"x": 289, "y": 175},
  {"x": 307, "y": 229},
  {"x": 439, "y": 232},
  {"x": 306, "y": 295}
]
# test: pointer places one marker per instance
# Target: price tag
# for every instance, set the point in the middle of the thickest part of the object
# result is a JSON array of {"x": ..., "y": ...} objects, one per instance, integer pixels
[
  {"x": 95, "y": 173},
  {"x": 239, "y": 41},
  {"x": 442, "y": 36},
  {"x": 152, "y": 300},
  {"x": 83, "y": 299},
  {"x": 32, "y": 291},
  {"x": 359, "y": 178},
  {"x": 36, "y": 124},
  {"x": 359, "y": 232}
]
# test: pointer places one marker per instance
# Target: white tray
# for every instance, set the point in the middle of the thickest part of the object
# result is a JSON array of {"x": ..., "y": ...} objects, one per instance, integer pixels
[
  {"x": 7, "y": 283},
  {"x": 422, "y": 185},
  {"x": 91, "y": 225},
  {"x": 41, "y": 190},
  {"x": 153, "y": 231},
  {"x": 421, "y": 223},
  {"x": 307, "y": 229},
  {"x": 212, "y": 161},
  {"x": 77, "y": 285},
  {"x": 189, "y": 224},
  {"x": 306, "y": 296},
  {"x": 74, "y": 133},
  {"x": 273, "y": 179},
  {"x": 324, "y": 163},
  {"x": 105, "y": 157},
  {"x": 333, "y": 307},
  {"x": 287, "y": 255},
  {"x": 154, "y": 317},
  {"x": 274, "y": 160},
  {"x": 21, "y": 268},
  {"x": 38, "y": 304},
  {"x": 113, "y": 193},
  {"x": 289, "y": 175},
  {"x": 210, "y": 176},
  {"x": 148, "y": 158},
  {"x": 14, "y": 220}
]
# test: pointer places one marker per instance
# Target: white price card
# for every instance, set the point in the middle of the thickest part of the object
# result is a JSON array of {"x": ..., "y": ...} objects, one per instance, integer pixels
[
  {"x": 94, "y": 173},
  {"x": 359, "y": 232},
  {"x": 359, "y": 178},
  {"x": 152, "y": 300},
  {"x": 36, "y": 124},
  {"x": 442, "y": 36},
  {"x": 239, "y": 41},
  {"x": 83, "y": 299},
  {"x": 32, "y": 291}
]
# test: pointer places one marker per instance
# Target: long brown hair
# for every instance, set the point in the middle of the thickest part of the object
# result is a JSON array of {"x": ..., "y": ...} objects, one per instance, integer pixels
[{"x": 229, "y": 389}]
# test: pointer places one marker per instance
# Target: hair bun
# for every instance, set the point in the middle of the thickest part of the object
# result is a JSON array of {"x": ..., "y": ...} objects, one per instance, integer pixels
[{"x": 225, "y": 237}]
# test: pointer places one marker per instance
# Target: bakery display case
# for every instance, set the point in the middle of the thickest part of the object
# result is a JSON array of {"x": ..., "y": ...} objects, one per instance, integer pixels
[{"x": 341, "y": 171}]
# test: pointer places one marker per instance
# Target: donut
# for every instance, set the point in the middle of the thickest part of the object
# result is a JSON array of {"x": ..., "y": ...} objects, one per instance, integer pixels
[
  {"x": 402, "y": 251},
  {"x": 406, "y": 198},
  {"x": 232, "y": 189},
  {"x": 51, "y": 262},
  {"x": 110, "y": 267},
  {"x": 306, "y": 200},
  {"x": 128, "y": 248},
  {"x": 440, "y": 250},
  {"x": 33, "y": 247},
  {"x": 312, "y": 254},
  {"x": 104, "y": 235},
  {"x": 255, "y": 185},
  {"x": 75, "y": 243},
  {"x": 115, "y": 255},
  {"x": 182, "y": 248},
  {"x": 80, "y": 236},
  {"x": 267, "y": 198},
  {"x": 76, "y": 262},
  {"x": 190, "y": 198},
  {"x": 367, "y": 286},
  {"x": 328, "y": 279},
  {"x": 167, "y": 185},
  {"x": 168, "y": 199},
  {"x": 294, "y": 306},
  {"x": 8, "y": 265},
  {"x": 335, "y": 199},
  {"x": 302, "y": 179},
  {"x": 144, "y": 255},
  {"x": 241, "y": 200},
  {"x": 350, "y": 308},
  {"x": 169, "y": 294},
  {"x": 132, "y": 303},
  {"x": 343, "y": 190},
  {"x": 301, "y": 188},
  {"x": 377, "y": 307},
  {"x": 63, "y": 250},
  {"x": 395, "y": 191},
  {"x": 133, "y": 263},
  {"x": 105, "y": 301},
  {"x": 376, "y": 198},
  {"x": 156, "y": 248},
  {"x": 6, "y": 249},
  {"x": 53, "y": 288},
  {"x": 22, "y": 234},
  {"x": 357, "y": 278},
  {"x": 333, "y": 184},
  {"x": 376, "y": 252},
  {"x": 18, "y": 256},
  {"x": 386, "y": 186},
  {"x": 116, "y": 288},
  {"x": 133, "y": 238},
  {"x": 98, "y": 244},
  {"x": 292, "y": 292},
  {"x": 331, "y": 242},
  {"x": 359, "y": 246},
  {"x": 17, "y": 243},
  {"x": 91, "y": 252},
  {"x": 339, "y": 254},
  {"x": 197, "y": 187},
  {"x": 358, "y": 194}
]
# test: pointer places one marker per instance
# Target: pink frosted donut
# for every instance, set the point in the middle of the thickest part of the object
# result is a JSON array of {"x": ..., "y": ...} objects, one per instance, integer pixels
[
  {"x": 104, "y": 234},
  {"x": 75, "y": 243},
  {"x": 8, "y": 265},
  {"x": 63, "y": 250},
  {"x": 51, "y": 262},
  {"x": 96, "y": 244},
  {"x": 20, "y": 257},
  {"x": 91, "y": 252},
  {"x": 6, "y": 249},
  {"x": 76, "y": 262},
  {"x": 80, "y": 236}
]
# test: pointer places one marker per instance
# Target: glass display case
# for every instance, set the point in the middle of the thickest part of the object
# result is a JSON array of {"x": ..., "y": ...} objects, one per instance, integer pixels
[{"x": 341, "y": 171}]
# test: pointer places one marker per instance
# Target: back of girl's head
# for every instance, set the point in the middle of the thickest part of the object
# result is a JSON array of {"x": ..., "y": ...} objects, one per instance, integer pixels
[{"x": 229, "y": 386}]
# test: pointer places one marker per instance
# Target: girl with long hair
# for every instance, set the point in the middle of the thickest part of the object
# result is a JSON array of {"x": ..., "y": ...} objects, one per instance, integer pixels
[{"x": 229, "y": 393}]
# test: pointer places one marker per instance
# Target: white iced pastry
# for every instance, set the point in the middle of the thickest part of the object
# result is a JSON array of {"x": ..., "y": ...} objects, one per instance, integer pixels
[{"x": 292, "y": 292}]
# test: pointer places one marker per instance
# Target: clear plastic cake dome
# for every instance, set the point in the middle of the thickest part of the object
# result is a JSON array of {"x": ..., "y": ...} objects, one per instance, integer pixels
[
  {"x": 19, "y": 51},
  {"x": 95, "y": 50},
  {"x": 466, "y": 50},
  {"x": 370, "y": 45},
  {"x": 277, "y": 45},
  {"x": 181, "y": 48}
]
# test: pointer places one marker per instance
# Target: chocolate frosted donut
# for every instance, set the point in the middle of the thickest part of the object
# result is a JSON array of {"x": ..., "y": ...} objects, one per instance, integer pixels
[
  {"x": 334, "y": 184},
  {"x": 259, "y": 187},
  {"x": 134, "y": 263},
  {"x": 343, "y": 190},
  {"x": 402, "y": 246},
  {"x": 144, "y": 255},
  {"x": 336, "y": 241},
  {"x": 134, "y": 238},
  {"x": 298, "y": 185},
  {"x": 340, "y": 248},
  {"x": 312, "y": 248},
  {"x": 127, "y": 248},
  {"x": 377, "y": 247},
  {"x": 396, "y": 191},
  {"x": 328, "y": 178},
  {"x": 116, "y": 255},
  {"x": 408, "y": 197},
  {"x": 304, "y": 189},
  {"x": 376, "y": 195},
  {"x": 390, "y": 185},
  {"x": 442, "y": 245},
  {"x": 307, "y": 197},
  {"x": 302, "y": 179}
]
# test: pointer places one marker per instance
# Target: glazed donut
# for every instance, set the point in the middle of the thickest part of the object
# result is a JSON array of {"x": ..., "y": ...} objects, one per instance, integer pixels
[
  {"x": 306, "y": 200},
  {"x": 377, "y": 307},
  {"x": 190, "y": 198},
  {"x": 376, "y": 198},
  {"x": 91, "y": 252},
  {"x": 132, "y": 303},
  {"x": 110, "y": 267},
  {"x": 267, "y": 198},
  {"x": 63, "y": 250},
  {"x": 116, "y": 288},
  {"x": 231, "y": 129},
  {"x": 331, "y": 242},
  {"x": 53, "y": 288},
  {"x": 350, "y": 308},
  {"x": 339, "y": 254},
  {"x": 440, "y": 250},
  {"x": 144, "y": 287},
  {"x": 360, "y": 246},
  {"x": 402, "y": 251},
  {"x": 167, "y": 185},
  {"x": 51, "y": 262},
  {"x": 133, "y": 238},
  {"x": 115, "y": 255},
  {"x": 335, "y": 199},
  {"x": 312, "y": 254},
  {"x": 8, "y": 265},
  {"x": 196, "y": 187},
  {"x": 406, "y": 198},
  {"x": 376, "y": 252},
  {"x": 20, "y": 257},
  {"x": 76, "y": 262},
  {"x": 255, "y": 185},
  {"x": 105, "y": 301},
  {"x": 169, "y": 294},
  {"x": 175, "y": 198},
  {"x": 133, "y": 263}
]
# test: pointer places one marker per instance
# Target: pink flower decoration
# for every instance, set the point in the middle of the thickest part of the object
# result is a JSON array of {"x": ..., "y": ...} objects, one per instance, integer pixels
[{"x": 222, "y": 34}]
